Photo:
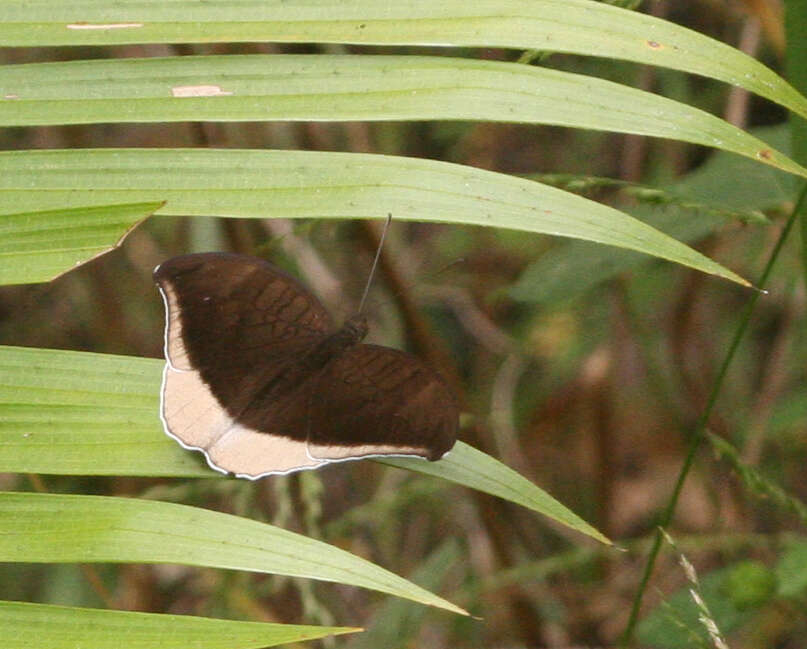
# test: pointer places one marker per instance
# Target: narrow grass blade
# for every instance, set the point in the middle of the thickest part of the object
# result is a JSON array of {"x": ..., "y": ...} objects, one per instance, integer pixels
[
  {"x": 38, "y": 246},
  {"x": 95, "y": 414},
  {"x": 85, "y": 414},
  {"x": 308, "y": 184},
  {"x": 468, "y": 466},
  {"x": 574, "y": 26},
  {"x": 59, "y": 528},
  {"x": 25, "y": 625},
  {"x": 319, "y": 87}
]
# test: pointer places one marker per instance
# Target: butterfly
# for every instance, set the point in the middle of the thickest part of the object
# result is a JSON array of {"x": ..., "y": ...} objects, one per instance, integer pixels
[{"x": 259, "y": 379}]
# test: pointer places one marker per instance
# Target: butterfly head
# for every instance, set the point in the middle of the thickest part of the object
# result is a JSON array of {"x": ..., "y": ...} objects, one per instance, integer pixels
[{"x": 355, "y": 328}]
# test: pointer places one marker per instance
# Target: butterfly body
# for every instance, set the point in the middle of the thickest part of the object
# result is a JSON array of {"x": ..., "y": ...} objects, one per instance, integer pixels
[
  {"x": 350, "y": 334},
  {"x": 259, "y": 379}
]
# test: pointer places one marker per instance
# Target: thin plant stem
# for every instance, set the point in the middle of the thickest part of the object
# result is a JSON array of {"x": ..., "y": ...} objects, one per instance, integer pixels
[{"x": 698, "y": 433}]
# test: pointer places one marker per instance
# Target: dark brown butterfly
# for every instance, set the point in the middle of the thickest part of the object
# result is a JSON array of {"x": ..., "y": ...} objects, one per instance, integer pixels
[{"x": 259, "y": 379}]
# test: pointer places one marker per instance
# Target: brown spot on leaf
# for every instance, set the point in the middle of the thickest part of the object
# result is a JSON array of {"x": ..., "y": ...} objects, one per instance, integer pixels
[
  {"x": 199, "y": 91},
  {"x": 103, "y": 26}
]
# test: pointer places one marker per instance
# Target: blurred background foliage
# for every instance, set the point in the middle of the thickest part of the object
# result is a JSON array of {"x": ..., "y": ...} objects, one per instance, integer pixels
[{"x": 581, "y": 366}]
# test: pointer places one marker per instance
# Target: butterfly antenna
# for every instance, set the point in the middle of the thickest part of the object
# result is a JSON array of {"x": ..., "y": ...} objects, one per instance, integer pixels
[{"x": 375, "y": 262}]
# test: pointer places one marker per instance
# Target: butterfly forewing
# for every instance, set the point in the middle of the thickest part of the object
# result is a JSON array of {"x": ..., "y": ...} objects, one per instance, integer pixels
[
  {"x": 232, "y": 317},
  {"x": 235, "y": 325}
]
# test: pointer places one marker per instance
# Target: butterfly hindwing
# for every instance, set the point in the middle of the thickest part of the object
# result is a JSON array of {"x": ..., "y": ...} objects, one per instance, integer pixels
[{"x": 374, "y": 400}]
